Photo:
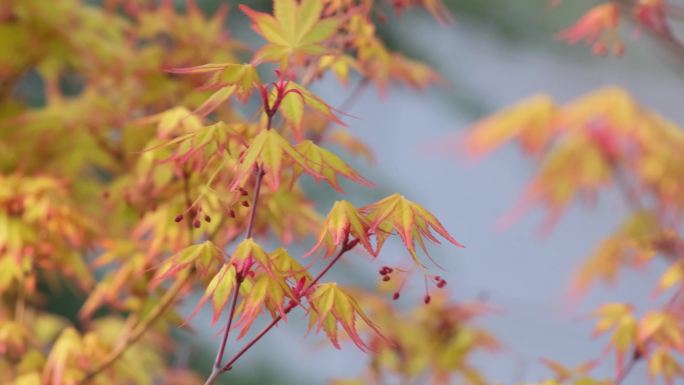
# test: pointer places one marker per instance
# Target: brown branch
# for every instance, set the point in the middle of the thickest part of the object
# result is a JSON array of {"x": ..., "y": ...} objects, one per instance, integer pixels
[
  {"x": 217, "y": 368},
  {"x": 140, "y": 329}
]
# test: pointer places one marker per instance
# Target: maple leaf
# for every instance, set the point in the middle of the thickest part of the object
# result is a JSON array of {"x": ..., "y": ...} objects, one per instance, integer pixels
[
  {"x": 599, "y": 27},
  {"x": 576, "y": 167},
  {"x": 528, "y": 121},
  {"x": 270, "y": 151},
  {"x": 248, "y": 253},
  {"x": 215, "y": 100},
  {"x": 294, "y": 31},
  {"x": 411, "y": 221},
  {"x": 219, "y": 289},
  {"x": 174, "y": 121},
  {"x": 662, "y": 328},
  {"x": 342, "y": 221},
  {"x": 243, "y": 76},
  {"x": 263, "y": 291},
  {"x": 673, "y": 276},
  {"x": 662, "y": 363},
  {"x": 338, "y": 65},
  {"x": 196, "y": 148},
  {"x": 292, "y": 106},
  {"x": 330, "y": 306},
  {"x": 204, "y": 257},
  {"x": 286, "y": 266},
  {"x": 618, "y": 317},
  {"x": 631, "y": 245},
  {"x": 327, "y": 165}
]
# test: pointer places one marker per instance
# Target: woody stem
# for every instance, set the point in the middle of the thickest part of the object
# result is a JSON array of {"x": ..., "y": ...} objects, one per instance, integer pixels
[
  {"x": 259, "y": 172},
  {"x": 216, "y": 369}
]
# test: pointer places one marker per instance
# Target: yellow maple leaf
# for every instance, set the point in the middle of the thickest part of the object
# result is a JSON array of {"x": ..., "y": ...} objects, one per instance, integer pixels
[{"x": 295, "y": 30}]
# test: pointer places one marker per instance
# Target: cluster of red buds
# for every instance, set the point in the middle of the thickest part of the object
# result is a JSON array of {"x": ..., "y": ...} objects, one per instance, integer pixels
[
  {"x": 194, "y": 213},
  {"x": 439, "y": 281},
  {"x": 385, "y": 272}
]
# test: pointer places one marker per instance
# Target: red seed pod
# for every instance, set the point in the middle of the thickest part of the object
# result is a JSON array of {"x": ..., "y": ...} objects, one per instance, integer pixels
[
  {"x": 196, "y": 223},
  {"x": 395, "y": 296},
  {"x": 441, "y": 284},
  {"x": 178, "y": 218},
  {"x": 245, "y": 203},
  {"x": 389, "y": 270},
  {"x": 243, "y": 192},
  {"x": 231, "y": 213},
  {"x": 437, "y": 278},
  {"x": 207, "y": 218},
  {"x": 386, "y": 278},
  {"x": 382, "y": 271},
  {"x": 427, "y": 299}
]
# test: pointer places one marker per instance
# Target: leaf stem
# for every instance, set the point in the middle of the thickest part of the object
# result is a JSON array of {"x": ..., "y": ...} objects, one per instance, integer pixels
[
  {"x": 255, "y": 201},
  {"x": 216, "y": 369},
  {"x": 188, "y": 201}
]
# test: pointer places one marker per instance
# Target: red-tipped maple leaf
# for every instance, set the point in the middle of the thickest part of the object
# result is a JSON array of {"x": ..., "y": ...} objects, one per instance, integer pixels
[
  {"x": 243, "y": 76},
  {"x": 219, "y": 289},
  {"x": 327, "y": 165},
  {"x": 261, "y": 292},
  {"x": 248, "y": 253},
  {"x": 204, "y": 257},
  {"x": 598, "y": 27},
  {"x": 343, "y": 220},
  {"x": 330, "y": 306},
  {"x": 294, "y": 99},
  {"x": 411, "y": 221},
  {"x": 270, "y": 151}
]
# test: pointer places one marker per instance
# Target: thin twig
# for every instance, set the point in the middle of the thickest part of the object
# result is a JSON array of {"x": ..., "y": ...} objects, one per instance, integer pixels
[
  {"x": 188, "y": 202},
  {"x": 216, "y": 369}
]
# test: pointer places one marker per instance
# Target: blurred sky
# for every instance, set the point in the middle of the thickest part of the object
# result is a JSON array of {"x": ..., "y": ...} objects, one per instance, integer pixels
[{"x": 521, "y": 272}]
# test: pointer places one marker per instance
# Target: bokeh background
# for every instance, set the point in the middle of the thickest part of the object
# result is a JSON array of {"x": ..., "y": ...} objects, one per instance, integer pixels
[{"x": 496, "y": 53}]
